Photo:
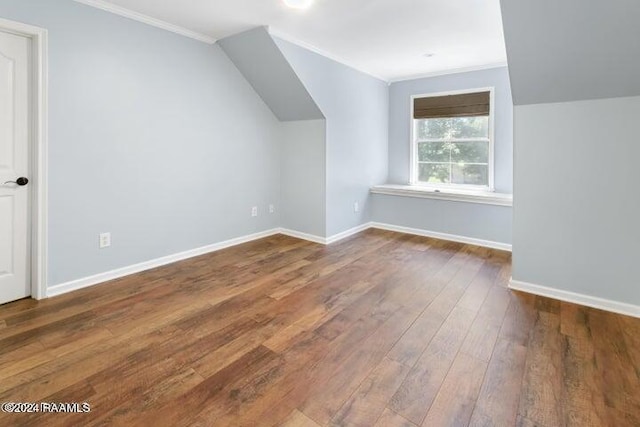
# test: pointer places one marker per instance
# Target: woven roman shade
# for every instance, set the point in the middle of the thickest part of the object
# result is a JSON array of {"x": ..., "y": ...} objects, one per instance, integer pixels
[{"x": 463, "y": 105}]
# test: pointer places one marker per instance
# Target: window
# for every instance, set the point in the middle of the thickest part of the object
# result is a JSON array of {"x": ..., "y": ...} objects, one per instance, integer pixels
[{"x": 452, "y": 145}]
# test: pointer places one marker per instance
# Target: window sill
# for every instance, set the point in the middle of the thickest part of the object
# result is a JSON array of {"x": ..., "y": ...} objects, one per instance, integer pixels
[{"x": 482, "y": 197}]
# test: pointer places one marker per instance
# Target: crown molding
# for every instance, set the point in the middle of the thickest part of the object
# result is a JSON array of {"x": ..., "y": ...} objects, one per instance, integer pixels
[
  {"x": 450, "y": 71},
  {"x": 158, "y": 23},
  {"x": 145, "y": 19}
]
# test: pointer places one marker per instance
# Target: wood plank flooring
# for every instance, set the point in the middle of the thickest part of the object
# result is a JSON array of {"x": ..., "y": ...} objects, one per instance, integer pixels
[{"x": 381, "y": 329}]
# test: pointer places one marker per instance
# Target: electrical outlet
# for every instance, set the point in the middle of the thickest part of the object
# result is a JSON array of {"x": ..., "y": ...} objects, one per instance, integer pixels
[
  {"x": 105, "y": 240},
  {"x": 272, "y": 209},
  {"x": 356, "y": 207},
  {"x": 254, "y": 211}
]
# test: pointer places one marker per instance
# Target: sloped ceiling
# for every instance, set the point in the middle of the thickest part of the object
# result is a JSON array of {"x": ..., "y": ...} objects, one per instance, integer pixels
[
  {"x": 259, "y": 59},
  {"x": 384, "y": 38},
  {"x": 568, "y": 50}
]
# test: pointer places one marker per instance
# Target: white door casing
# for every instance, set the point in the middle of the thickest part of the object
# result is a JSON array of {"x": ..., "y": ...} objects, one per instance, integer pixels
[{"x": 15, "y": 147}]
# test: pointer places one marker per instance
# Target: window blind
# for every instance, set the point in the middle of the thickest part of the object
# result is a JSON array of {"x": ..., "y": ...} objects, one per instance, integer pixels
[{"x": 463, "y": 105}]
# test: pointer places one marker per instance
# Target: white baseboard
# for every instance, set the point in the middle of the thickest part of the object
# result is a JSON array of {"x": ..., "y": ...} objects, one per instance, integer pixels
[
  {"x": 572, "y": 297},
  {"x": 347, "y": 233},
  {"x": 304, "y": 236},
  {"x": 325, "y": 240},
  {"x": 442, "y": 236},
  {"x": 85, "y": 282},
  {"x": 397, "y": 228}
]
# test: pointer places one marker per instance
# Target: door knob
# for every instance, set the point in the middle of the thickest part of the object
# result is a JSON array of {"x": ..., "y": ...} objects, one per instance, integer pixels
[{"x": 22, "y": 181}]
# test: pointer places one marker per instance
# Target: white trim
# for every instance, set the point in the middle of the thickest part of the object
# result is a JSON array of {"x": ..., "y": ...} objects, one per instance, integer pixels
[
  {"x": 145, "y": 19},
  {"x": 347, "y": 233},
  {"x": 304, "y": 236},
  {"x": 399, "y": 229},
  {"x": 85, "y": 282},
  {"x": 442, "y": 236},
  {"x": 38, "y": 150},
  {"x": 481, "y": 197},
  {"x": 325, "y": 240},
  {"x": 413, "y": 171},
  {"x": 572, "y": 297},
  {"x": 321, "y": 52},
  {"x": 449, "y": 71},
  {"x": 74, "y": 285}
]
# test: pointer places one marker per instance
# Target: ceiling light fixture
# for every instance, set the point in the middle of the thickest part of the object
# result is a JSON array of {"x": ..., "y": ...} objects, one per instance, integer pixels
[{"x": 298, "y": 4}]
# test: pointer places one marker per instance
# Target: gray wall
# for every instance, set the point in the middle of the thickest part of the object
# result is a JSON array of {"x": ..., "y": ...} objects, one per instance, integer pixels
[
  {"x": 576, "y": 205},
  {"x": 150, "y": 139},
  {"x": 257, "y": 56},
  {"x": 574, "y": 70},
  {"x": 303, "y": 172},
  {"x": 485, "y": 222},
  {"x": 356, "y": 109},
  {"x": 303, "y": 177},
  {"x": 572, "y": 49}
]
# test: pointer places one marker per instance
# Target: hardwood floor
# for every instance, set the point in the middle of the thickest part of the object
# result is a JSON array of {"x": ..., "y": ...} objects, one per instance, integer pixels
[{"x": 381, "y": 329}]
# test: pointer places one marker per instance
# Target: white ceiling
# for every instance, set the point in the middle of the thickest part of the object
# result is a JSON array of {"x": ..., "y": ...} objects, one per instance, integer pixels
[{"x": 385, "y": 38}]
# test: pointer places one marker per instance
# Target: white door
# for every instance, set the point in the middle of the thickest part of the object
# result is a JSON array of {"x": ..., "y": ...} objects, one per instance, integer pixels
[{"x": 15, "y": 280}]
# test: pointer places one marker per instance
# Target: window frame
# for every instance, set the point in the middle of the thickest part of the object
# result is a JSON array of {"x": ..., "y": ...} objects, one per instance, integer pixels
[{"x": 413, "y": 143}]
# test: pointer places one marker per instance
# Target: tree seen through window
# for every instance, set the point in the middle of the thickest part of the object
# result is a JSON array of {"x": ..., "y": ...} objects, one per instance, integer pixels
[{"x": 453, "y": 150}]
